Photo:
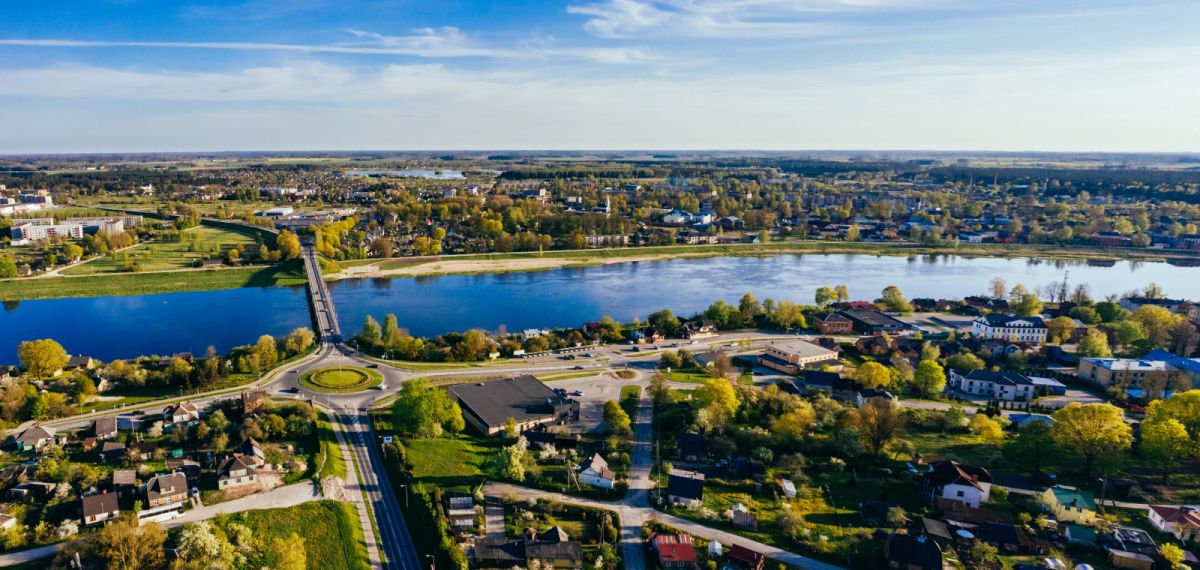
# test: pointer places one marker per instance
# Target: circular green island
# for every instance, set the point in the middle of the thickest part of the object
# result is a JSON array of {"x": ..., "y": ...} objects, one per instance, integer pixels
[{"x": 340, "y": 379}]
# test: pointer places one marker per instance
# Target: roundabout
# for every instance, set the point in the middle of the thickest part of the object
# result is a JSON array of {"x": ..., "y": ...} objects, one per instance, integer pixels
[{"x": 340, "y": 379}]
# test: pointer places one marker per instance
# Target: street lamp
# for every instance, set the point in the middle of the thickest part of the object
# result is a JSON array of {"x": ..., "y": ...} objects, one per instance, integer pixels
[
  {"x": 405, "y": 496},
  {"x": 432, "y": 562}
]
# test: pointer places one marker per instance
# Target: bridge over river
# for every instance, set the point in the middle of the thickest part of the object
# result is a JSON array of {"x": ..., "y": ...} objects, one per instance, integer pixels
[{"x": 319, "y": 302}]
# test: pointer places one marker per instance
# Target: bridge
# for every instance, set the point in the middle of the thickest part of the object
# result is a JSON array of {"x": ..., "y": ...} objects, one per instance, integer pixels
[{"x": 319, "y": 301}]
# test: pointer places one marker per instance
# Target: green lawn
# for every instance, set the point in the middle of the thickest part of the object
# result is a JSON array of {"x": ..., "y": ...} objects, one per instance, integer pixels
[
  {"x": 290, "y": 273},
  {"x": 164, "y": 256},
  {"x": 694, "y": 375},
  {"x": 334, "y": 538},
  {"x": 445, "y": 463},
  {"x": 335, "y": 462},
  {"x": 629, "y": 400},
  {"x": 340, "y": 379}
]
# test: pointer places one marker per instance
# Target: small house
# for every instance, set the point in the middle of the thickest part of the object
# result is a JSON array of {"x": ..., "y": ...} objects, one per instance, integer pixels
[
  {"x": 714, "y": 549},
  {"x": 36, "y": 438},
  {"x": 80, "y": 362},
  {"x": 124, "y": 481},
  {"x": 909, "y": 552},
  {"x": 745, "y": 558},
  {"x": 698, "y": 329},
  {"x": 112, "y": 452},
  {"x": 743, "y": 520},
  {"x": 1133, "y": 560},
  {"x": 595, "y": 472},
  {"x": 166, "y": 490},
  {"x": 674, "y": 551},
  {"x": 105, "y": 428},
  {"x": 36, "y": 489},
  {"x": 184, "y": 413},
  {"x": 1080, "y": 535},
  {"x": 789, "y": 489},
  {"x": 1069, "y": 504},
  {"x": 948, "y": 479},
  {"x": 236, "y": 471},
  {"x": 685, "y": 488},
  {"x": 691, "y": 446},
  {"x": 99, "y": 508},
  {"x": 555, "y": 553},
  {"x": 873, "y": 345},
  {"x": 1181, "y": 521},
  {"x": 649, "y": 334}
]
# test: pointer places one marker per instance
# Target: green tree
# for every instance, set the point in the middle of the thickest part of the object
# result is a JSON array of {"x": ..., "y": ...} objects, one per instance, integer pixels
[
  {"x": 894, "y": 299},
  {"x": 1059, "y": 329},
  {"x": 288, "y": 244},
  {"x": 72, "y": 251},
  {"x": 1109, "y": 311},
  {"x": 615, "y": 417},
  {"x": 719, "y": 391},
  {"x": 666, "y": 321},
  {"x": 750, "y": 305},
  {"x": 824, "y": 297},
  {"x": 1094, "y": 345},
  {"x": 1164, "y": 442},
  {"x": 930, "y": 378},
  {"x": 964, "y": 361},
  {"x": 126, "y": 545},
  {"x": 1033, "y": 446},
  {"x": 371, "y": 333},
  {"x": 391, "y": 330},
  {"x": 421, "y": 409},
  {"x": 841, "y": 293},
  {"x": 289, "y": 553},
  {"x": 1157, "y": 322},
  {"x": 1091, "y": 430},
  {"x": 659, "y": 391},
  {"x": 873, "y": 375},
  {"x": 1173, "y": 554},
  {"x": 8, "y": 268},
  {"x": 1125, "y": 333},
  {"x": 880, "y": 421},
  {"x": 41, "y": 358}
]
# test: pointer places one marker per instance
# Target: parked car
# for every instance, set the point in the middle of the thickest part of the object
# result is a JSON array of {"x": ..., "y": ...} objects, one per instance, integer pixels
[{"x": 579, "y": 392}]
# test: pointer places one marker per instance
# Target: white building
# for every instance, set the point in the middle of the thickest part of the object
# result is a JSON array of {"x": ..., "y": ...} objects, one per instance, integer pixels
[
  {"x": 948, "y": 479},
  {"x": 278, "y": 212},
  {"x": 1176, "y": 520},
  {"x": 677, "y": 217},
  {"x": 1010, "y": 327},
  {"x": 596, "y": 473},
  {"x": 1007, "y": 386}
]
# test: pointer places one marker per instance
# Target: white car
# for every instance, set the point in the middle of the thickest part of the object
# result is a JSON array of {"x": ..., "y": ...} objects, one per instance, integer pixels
[
  {"x": 578, "y": 392},
  {"x": 693, "y": 342}
]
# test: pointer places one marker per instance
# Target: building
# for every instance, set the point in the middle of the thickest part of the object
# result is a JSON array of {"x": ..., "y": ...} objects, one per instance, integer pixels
[
  {"x": 698, "y": 329},
  {"x": 1010, "y": 327},
  {"x": 166, "y": 490},
  {"x": 236, "y": 471},
  {"x": 876, "y": 323},
  {"x": 948, "y": 479},
  {"x": 38, "y": 489},
  {"x": 691, "y": 446},
  {"x": 1127, "y": 371},
  {"x": 908, "y": 552},
  {"x": 1070, "y": 504},
  {"x": 833, "y": 383},
  {"x": 1006, "y": 386},
  {"x": 744, "y": 557},
  {"x": 254, "y": 401},
  {"x": 1133, "y": 560},
  {"x": 1181, "y": 521},
  {"x": 555, "y": 553},
  {"x": 1132, "y": 304},
  {"x": 1111, "y": 239},
  {"x": 36, "y": 438},
  {"x": 99, "y": 508},
  {"x": 80, "y": 362},
  {"x": 834, "y": 323},
  {"x": 167, "y": 360},
  {"x": 685, "y": 488},
  {"x": 674, "y": 550},
  {"x": 105, "y": 428},
  {"x": 35, "y": 229},
  {"x": 184, "y": 414},
  {"x": 124, "y": 481},
  {"x": 506, "y": 553},
  {"x": 649, "y": 334},
  {"x": 743, "y": 520},
  {"x": 488, "y": 405},
  {"x": 596, "y": 473},
  {"x": 873, "y": 345},
  {"x": 461, "y": 512},
  {"x": 790, "y": 357},
  {"x": 112, "y": 451},
  {"x": 867, "y": 394}
]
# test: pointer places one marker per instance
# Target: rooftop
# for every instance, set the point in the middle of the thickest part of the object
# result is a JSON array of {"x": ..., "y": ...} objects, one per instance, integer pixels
[
  {"x": 802, "y": 348},
  {"x": 523, "y": 398}
]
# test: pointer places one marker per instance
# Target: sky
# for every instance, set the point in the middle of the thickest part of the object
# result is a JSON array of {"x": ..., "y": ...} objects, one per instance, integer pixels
[{"x": 258, "y": 75}]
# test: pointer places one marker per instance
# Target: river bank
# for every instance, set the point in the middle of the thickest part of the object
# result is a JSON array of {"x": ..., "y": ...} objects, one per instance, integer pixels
[
  {"x": 126, "y": 284},
  {"x": 534, "y": 261}
]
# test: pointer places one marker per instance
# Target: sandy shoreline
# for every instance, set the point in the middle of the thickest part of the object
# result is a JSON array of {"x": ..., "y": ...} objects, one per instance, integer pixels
[{"x": 456, "y": 267}]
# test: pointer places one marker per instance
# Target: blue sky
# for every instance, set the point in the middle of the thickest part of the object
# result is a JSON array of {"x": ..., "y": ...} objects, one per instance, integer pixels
[{"x": 129, "y": 75}]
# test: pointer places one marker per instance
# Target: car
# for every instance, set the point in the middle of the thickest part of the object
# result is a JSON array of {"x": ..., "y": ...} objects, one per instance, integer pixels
[
  {"x": 756, "y": 373},
  {"x": 195, "y": 492},
  {"x": 136, "y": 413},
  {"x": 381, "y": 387},
  {"x": 577, "y": 368},
  {"x": 635, "y": 349},
  {"x": 373, "y": 366},
  {"x": 31, "y": 462},
  {"x": 294, "y": 371},
  {"x": 290, "y": 390},
  {"x": 693, "y": 342},
  {"x": 579, "y": 392},
  {"x": 588, "y": 355}
]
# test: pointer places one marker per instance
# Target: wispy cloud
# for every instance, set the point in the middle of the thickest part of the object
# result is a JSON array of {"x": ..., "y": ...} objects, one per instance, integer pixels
[
  {"x": 728, "y": 18},
  {"x": 444, "y": 42}
]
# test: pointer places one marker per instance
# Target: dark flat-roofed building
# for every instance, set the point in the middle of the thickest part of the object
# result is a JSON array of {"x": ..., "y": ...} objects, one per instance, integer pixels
[
  {"x": 488, "y": 405},
  {"x": 873, "y": 322}
]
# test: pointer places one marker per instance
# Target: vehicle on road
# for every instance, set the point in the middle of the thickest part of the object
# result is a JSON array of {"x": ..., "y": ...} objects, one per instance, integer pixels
[
  {"x": 578, "y": 392},
  {"x": 373, "y": 366},
  {"x": 136, "y": 413},
  {"x": 294, "y": 371},
  {"x": 381, "y": 387},
  {"x": 693, "y": 342},
  {"x": 577, "y": 368}
]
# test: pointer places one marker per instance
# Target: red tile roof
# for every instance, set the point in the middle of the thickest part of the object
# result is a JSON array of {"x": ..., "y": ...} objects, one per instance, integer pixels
[{"x": 675, "y": 547}]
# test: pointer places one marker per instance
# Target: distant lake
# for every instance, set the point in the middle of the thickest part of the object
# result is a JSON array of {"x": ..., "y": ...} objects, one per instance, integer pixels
[
  {"x": 126, "y": 327},
  {"x": 436, "y": 174}
]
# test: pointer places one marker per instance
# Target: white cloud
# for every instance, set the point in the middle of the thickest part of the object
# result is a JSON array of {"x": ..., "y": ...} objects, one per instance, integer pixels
[
  {"x": 1003, "y": 102},
  {"x": 727, "y": 18}
]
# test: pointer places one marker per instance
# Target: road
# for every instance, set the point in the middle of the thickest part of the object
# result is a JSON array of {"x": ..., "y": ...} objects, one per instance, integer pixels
[{"x": 321, "y": 304}]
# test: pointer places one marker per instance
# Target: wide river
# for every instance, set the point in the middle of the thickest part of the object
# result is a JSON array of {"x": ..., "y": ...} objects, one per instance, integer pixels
[{"x": 123, "y": 327}]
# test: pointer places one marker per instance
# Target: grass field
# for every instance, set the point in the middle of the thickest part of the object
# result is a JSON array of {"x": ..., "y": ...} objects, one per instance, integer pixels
[
  {"x": 450, "y": 463},
  {"x": 165, "y": 256},
  {"x": 629, "y": 400},
  {"x": 334, "y": 539},
  {"x": 340, "y": 379},
  {"x": 290, "y": 273},
  {"x": 335, "y": 462}
]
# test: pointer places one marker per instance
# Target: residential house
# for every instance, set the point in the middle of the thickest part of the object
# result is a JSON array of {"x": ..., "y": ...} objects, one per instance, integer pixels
[
  {"x": 1181, "y": 521},
  {"x": 253, "y": 452},
  {"x": 1132, "y": 304},
  {"x": 99, "y": 508},
  {"x": 89, "y": 443},
  {"x": 236, "y": 471},
  {"x": 36, "y": 489},
  {"x": 1006, "y": 386},
  {"x": 254, "y": 401},
  {"x": 595, "y": 472},
  {"x": 833, "y": 383},
  {"x": 1069, "y": 504},
  {"x": 36, "y": 438},
  {"x": 743, "y": 520},
  {"x": 166, "y": 490},
  {"x": 649, "y": 334},
  {"x": 112, "y": 451},
  {"x": 1132, "y": 560},
  {"x": 685, "y": 487},
  {"x": 909, "y": 552},
  {"x": 1010, "y": 327},
  {"x": 105, "y": 428},
  {"x": 1111, "y": 239},
  {"x": 167, "y": 360},
  {"x": 674, "y": 551},
  {"x": 499, "y": 552},
  {"x": 834, "y": 323},
  {"x": 698, "y": 329},
  {"x": 80, "y": 362},
  {"x": 124, "y": 481},
  {"x": 873, "y": 345},
  {"x": 185, "y": 414},
  {"x": 867, "y": 394},
  {"x": 592, "y": 329},
  {"x": 691, "y": 446},
  {"x": 1006, "y": 537},
  {"x": 948, "y": 479},
  {"x": 555, "y": 553},
  {"x": 743, "y": 557},
  {"x": 790, "y": 357}
]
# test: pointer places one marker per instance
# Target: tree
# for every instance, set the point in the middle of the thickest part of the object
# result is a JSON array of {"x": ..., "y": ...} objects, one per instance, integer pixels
[
  {"x": 954, "y": 418},
  {"x": 1164, "y": 442},
  {"x": 41, "y": 358},
  {"x": 1126, "y": 333},
  {"x": 425, "y": 246},
  {"x": 456, "y": 422},
  {"x": 981, "y": 552},
  {"x": 123, "y": 544},
  {"x": 750, "y": 305},
  {"x": 1091, "y": 430},
  {"x": 964, "y": 361},
  {"x": 265, "y": 350},
  {"x": 511, "y": 460},
  {"x": 72, "y": 251},
  {"x": 298, "y": 340},
  {"x": 986, "y": 429},
  {"x": 719, "y": 391},
  {"x": 1027, "y": 303},
  {"x": 824, "y": 297},
  {"x": 8, "y": 268},
  {"x": 1109, "y": 311},
  {"x": 1034, "y": 444},
  {"x": 288, "y": 244},
  {"x": 787, "y": 315},
  {"x": 930, "y": 378},
  {"x": 880, "y": 421},
  {"x": 841, "y": 293},
  {"x": 421, "y": 410},
  {"x": 1173, "y": 554},
  {"x": 1059, "y": 329},
  {"x": 615, "y": 417},
  {"x": 1184, "y": 407},
  {"x": 666, "y": 321},
  {"x": 1094, "y": 345},
  {"x": 894, "y": 299},
  {"x": 790, "y": 522},
  {"x": 658, "y": 390},
  {"x": 896, "y": 517},
  {"x": 1086, "y": 315},
  {"x": 873, "y": 375},
  {"x": 849, "y": 442},
  {"x": 998, "y": 288},
  {"x": 1157, "y": 322},
  {"x": 371, "y": 332},
  {"x": 289, "y": 554},
  {"x": 198, "y": 544},
  {"x": 381, "y": 247}
]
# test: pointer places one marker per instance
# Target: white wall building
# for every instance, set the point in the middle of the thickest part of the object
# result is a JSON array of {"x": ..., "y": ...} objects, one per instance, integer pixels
[{"x": 1010, "y": 327}]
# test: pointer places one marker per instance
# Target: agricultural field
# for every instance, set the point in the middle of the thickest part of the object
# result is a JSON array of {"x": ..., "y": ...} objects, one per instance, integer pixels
[{"x": 199, "y": 242}]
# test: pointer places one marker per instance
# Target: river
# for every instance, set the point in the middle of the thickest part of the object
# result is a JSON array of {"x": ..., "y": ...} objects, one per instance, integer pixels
[{"x": 123, "y": 327}]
